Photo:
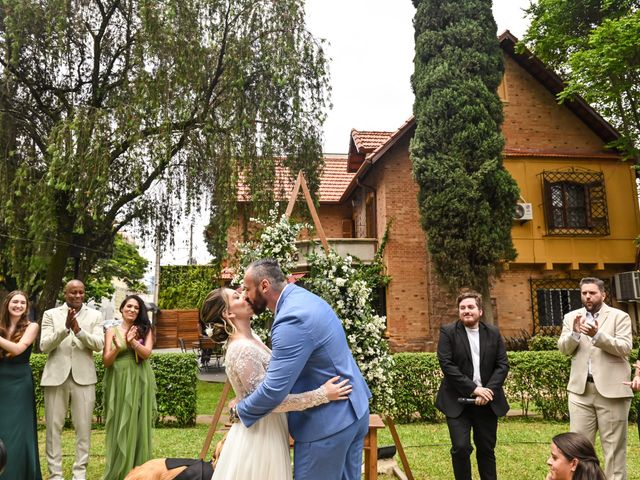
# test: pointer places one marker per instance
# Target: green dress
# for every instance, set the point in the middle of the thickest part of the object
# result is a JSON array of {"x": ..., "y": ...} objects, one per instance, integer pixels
[
  {"x": 18, "y": 418},
  {"x": 129, "y": 412}
]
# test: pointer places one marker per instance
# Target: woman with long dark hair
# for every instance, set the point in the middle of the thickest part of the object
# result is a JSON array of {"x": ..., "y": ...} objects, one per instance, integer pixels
[
  {"x": 129, "y": 390},
  {"x": 17, "y": 400},
  {"x": 573, "y": 458}
]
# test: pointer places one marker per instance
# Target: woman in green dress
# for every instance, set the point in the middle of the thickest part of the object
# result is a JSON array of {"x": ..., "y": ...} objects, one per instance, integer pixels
[
  {"x": 129, "y": 390},
  {"x": 17, "y": 400}
]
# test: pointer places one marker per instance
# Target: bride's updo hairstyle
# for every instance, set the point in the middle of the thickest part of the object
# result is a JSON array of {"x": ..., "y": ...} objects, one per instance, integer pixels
[{"x": 213, "y": 312}]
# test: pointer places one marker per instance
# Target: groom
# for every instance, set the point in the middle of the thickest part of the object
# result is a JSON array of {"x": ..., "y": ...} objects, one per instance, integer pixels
[{"x": 309, "y": 346}]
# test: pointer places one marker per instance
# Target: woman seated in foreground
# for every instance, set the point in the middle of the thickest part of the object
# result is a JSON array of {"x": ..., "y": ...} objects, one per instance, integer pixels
[{"x": 573, "y": 458}]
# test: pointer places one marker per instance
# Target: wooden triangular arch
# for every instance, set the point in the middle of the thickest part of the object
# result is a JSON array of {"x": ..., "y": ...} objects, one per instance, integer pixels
[{"x": 371, "y": 457}]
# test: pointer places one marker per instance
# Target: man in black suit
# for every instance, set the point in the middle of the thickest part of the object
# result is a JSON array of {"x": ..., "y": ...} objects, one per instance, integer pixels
[{"x": 474, "y": 363}]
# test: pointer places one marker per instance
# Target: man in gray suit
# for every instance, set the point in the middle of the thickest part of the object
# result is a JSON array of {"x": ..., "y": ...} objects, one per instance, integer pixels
[
  {"x": 70, "y": 335},
  {"x": 598, "y": 338}
]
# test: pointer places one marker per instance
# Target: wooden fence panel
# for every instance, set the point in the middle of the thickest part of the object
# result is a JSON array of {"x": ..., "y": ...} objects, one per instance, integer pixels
[{"x": 174, "y": 324}]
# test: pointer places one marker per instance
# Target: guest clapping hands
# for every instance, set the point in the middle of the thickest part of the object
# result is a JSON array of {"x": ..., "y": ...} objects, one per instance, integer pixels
[
  {"x": 17, "y": 401},
  {"x": 129, "y": 390}
]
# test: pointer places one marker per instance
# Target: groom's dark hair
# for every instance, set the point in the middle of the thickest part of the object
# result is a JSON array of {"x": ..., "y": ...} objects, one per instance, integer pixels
[{"x": 268, "y": 268}]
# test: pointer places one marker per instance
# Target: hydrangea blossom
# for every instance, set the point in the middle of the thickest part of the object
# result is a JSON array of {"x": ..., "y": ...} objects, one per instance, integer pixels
[{"x": 336, "y": 279}]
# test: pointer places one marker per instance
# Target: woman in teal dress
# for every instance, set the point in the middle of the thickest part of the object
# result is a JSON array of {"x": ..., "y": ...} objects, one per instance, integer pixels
[
  {"x": 17, "y": 401},
  {"x": 129, "y": 390}
]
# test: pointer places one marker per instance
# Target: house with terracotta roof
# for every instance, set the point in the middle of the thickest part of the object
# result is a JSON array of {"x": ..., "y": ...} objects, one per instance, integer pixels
[{"x": 578, "y": 213}]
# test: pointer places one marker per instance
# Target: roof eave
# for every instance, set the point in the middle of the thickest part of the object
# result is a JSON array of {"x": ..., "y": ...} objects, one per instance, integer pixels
[{"x": 375, "y": 156}]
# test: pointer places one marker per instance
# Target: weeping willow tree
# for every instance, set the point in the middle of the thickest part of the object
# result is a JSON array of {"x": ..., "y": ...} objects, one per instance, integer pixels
[
  {"x": 466, "y": 196},
  {"x": 128, "y": 113}
]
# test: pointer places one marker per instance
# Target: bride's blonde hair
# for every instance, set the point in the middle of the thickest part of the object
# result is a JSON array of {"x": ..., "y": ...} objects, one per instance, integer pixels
[{"x": 213, "y": 312}]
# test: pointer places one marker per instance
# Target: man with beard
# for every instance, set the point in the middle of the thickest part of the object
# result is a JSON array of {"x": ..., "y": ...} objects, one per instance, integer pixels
[
  {"x": 474, "y": 362},
  {"x": 70, "y": 335},
  {"x": 598, "y": 338},
  {"x": 308, "y": 346}
]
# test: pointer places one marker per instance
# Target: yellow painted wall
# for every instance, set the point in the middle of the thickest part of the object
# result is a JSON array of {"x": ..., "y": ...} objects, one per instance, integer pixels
[{"x": 535, "y": 246}]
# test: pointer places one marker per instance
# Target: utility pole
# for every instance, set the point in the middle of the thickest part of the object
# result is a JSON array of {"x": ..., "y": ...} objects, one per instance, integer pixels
[
  {"x": 156, "y": 283},
  {"x": 191, "y": 260}
]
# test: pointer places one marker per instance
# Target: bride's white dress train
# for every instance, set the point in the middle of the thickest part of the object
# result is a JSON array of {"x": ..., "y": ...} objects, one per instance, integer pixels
[{"x": 262, "y": 451}]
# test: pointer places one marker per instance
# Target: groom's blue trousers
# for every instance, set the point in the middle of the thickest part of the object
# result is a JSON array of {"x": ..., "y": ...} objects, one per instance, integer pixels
[{"x": 336, "y": 457}]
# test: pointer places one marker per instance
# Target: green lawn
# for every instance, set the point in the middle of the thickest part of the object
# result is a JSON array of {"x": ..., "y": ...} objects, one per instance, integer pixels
[{"x": 523, "y": 445}]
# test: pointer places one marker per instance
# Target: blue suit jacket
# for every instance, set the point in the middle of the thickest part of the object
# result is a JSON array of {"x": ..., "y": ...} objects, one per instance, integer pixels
[{"x": 308, "y": 348}]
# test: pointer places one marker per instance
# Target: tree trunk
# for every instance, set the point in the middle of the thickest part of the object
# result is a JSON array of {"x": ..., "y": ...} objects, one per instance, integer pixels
[
  {"x": 53, "y": 282},
  {"x": 58, "y": 261},
  {"x": 487, "y": 306}
]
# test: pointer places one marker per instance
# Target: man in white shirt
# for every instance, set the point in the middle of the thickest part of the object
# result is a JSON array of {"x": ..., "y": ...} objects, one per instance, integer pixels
[
  {"x": 474, "y": 363},
  {"x": 598, "y": 338}
]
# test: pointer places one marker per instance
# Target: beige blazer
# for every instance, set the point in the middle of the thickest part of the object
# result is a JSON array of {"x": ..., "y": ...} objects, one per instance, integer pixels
[
  {"x": 69, "y": 352},
  {"x": 609, "y": 353}
]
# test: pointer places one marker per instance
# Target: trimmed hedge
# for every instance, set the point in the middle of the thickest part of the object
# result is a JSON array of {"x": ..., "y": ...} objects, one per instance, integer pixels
[
  {"x": 543, "y": 343},
  {"x": 176, "y": 379},
  {"x": 537, "y": 380}
]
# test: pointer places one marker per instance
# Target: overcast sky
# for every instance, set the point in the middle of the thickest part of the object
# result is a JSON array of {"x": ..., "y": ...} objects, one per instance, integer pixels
[{"x": 370, "y": 44}]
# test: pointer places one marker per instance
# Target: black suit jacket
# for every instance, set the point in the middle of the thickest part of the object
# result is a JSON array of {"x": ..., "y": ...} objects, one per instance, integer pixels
[{"x": 454, "y": 355}]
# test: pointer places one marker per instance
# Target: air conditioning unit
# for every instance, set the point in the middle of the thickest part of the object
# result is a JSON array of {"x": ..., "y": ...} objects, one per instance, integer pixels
[
  {"x": 627, "y": 286},
  {"x": 523, "y": 211}
]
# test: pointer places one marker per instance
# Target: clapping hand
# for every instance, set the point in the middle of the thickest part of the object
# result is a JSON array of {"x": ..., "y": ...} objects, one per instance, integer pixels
[
  {"x": 116, "y": 341},
  {"x": 72, "y": 321},
  {"x": 589, "y": 329},
  {"x": 337, "y": 390},
  {"x": 577, "y": 322},
  {"x": 634, "y": 384},
  {"x": 132, "y": 333}
]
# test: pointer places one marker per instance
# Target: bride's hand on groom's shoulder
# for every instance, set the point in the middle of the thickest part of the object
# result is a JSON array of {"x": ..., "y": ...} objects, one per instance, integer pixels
[{"x": 337, "y": 390}]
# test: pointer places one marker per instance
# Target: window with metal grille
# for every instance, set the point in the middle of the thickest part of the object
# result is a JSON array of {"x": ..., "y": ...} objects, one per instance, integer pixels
[
  {"x": 551, "y": 300},
  {"x": 575, "y": 202}
]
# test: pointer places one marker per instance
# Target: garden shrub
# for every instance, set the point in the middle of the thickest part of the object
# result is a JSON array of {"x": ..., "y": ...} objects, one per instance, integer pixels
[
  {"x": 537, "y": 380},
  {"x": 176, "y": 379},
  {"x": 415, "y": 385},
  {"x": 539, "y": 343},
  {"x": 541, "y": 378}
]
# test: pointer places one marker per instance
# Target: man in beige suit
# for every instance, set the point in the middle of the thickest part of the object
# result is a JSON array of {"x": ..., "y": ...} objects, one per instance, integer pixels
[
  {"x": 598, "y": 338},
  {"x": 70, "y": 335}
]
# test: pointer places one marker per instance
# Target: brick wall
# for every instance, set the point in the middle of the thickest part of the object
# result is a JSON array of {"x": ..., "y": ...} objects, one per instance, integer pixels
[
  {"x": 408, "y": 322},
  {"x": 533, "y": 118}
]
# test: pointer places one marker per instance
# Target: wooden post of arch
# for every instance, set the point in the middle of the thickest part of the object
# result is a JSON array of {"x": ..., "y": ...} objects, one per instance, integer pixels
[{"x": 301, "y": 182}]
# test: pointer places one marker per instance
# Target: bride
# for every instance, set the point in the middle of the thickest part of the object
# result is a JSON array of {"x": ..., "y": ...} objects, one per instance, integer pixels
[{"x": 262, "y": 451}]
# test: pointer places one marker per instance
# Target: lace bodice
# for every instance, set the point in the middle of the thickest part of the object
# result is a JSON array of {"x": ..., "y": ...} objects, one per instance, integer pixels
[{"x": 246, "y": 365}]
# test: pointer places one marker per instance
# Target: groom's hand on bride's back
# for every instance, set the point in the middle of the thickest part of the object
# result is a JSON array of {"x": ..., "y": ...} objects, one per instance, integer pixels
[{"x": 336, "y": 389}]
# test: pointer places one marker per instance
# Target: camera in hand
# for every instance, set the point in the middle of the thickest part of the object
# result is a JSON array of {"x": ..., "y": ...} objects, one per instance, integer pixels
[{"x": 467, "y": 400}]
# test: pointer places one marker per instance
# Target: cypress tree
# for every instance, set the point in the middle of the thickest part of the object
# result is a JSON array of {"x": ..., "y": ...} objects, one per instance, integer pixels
[{"x": 466, "y": 196}]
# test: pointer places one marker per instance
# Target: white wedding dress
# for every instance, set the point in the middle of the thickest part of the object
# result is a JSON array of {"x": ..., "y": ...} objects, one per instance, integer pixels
[{"x": 260, "y": 452}]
